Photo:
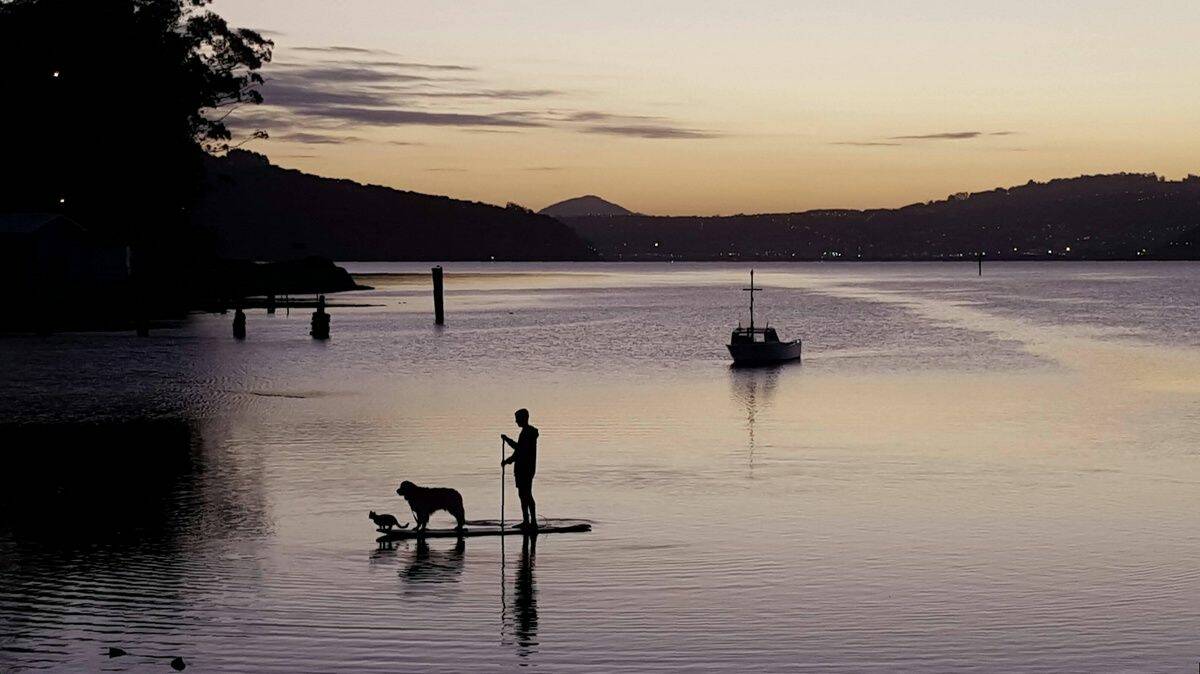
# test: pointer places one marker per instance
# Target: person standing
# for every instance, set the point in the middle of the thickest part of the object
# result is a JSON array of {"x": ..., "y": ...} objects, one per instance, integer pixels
[{"x": 524, "y": 460}]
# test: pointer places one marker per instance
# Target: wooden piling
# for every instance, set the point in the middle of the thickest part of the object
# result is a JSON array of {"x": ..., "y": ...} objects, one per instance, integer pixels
[
  {"x": 979, "y": 257},
  {"x": 439, "y": 316},
  {"x": 320, "y": 320},
  {"x": 239, "y": 324}
]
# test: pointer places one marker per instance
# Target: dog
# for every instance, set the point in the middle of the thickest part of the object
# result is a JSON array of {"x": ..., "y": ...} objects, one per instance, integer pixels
[
  {"x": 425, "y": 501},
  {"x": 385, "y": 522}
]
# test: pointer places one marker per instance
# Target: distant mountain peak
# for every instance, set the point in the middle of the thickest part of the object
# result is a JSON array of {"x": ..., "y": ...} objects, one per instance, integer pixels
[{"x": 589, "y": 204}]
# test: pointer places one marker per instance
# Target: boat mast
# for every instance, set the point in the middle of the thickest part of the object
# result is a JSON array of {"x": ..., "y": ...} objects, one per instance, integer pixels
[{"x": 751, "y": 289}]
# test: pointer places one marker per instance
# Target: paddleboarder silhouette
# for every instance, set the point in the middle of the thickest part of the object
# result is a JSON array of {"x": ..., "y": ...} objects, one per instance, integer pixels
[{"x": 524, "y": 460}]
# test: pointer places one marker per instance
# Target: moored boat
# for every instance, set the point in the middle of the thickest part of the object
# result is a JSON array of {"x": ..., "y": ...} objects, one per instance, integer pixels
[{"x": 760, "y": 346}]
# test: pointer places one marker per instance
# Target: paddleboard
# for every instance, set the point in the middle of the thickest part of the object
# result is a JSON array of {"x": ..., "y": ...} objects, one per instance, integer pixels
[{"x": 486, "y": 528}]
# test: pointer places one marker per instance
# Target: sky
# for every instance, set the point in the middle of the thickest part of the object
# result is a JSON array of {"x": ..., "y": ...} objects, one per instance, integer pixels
[{"x": 672, "y": 107}]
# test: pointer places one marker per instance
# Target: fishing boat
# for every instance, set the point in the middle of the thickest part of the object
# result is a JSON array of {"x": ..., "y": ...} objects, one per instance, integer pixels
[{"x": 759, "y": 346}]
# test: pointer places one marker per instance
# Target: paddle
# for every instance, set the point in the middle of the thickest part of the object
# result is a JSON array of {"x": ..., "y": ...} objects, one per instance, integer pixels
[{"x": 501, "y": 482}]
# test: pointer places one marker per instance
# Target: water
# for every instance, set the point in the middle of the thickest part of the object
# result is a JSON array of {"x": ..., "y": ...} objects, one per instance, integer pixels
[{"x": 994, "y": 474}]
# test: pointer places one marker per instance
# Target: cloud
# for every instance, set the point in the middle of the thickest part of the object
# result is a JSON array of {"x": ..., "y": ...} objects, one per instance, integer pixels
[
  {"x": 896, "y": 141},
  {"x": 543, "y": 168},
  {"x": 340, "y": 73},
  {"x": 594, "y": 116},
  {"x": 494, "y": 94},
  {"x": 331, "y": 94},
  {"x": 309, "y": 138},
  {"x": 340, "y": 51},
  {"x": 400, "y": 116},
  {"x": 636, "y": 126},
  {"x": 944, "y": 135},
  {"x": 649, "y": 131},
  {"x": 479, "y": 130}
]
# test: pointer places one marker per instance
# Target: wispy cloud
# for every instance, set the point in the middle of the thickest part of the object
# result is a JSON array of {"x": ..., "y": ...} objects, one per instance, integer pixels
[
  {"x": 856, "y": 143},
  {"x": 342, "y": 51},
  {"x": 309, "y": 138},
  {"x": 896, "y": 141},
  {"x": 944, "y": 135},
  {"x": 398, "y": 116},
  {"x": 636, "y": 126},
  {"x": 339, "y": 49},
  {"x": 322, "y": 95},
  {"x": 649, "y": 131},
  {"x": 493, "y": 94}
]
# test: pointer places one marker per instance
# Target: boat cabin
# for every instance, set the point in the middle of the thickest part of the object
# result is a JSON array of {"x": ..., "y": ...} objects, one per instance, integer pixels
[{"x": 753, "y": 335}]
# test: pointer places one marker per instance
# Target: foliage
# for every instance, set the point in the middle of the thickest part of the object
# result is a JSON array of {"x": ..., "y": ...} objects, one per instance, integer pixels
[{"x": 111, "y": 104}]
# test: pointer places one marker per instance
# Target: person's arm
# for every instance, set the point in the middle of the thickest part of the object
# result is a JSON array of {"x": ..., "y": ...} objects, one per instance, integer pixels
[{"x": 511, "y": 443}]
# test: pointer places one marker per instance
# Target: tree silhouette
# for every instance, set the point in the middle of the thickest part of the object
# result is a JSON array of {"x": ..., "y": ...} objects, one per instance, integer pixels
[{"x": 110, "y": 105}]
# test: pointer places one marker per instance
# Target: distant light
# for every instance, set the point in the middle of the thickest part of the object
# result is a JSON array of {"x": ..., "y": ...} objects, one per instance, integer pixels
[
  {"x": 54, "y": 74},
  {"x": 1068, "y": 249},
  {"x": 62, "y": 200},
  {"x": 1049, "y": 252},
  {"x": 656, "y": 244}
]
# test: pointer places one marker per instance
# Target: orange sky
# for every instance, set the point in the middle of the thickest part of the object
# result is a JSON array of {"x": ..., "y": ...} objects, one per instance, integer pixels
[{"x": 725, "y": 107}]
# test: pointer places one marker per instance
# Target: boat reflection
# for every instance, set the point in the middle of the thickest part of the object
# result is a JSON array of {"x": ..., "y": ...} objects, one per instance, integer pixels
[{"x": 754, "y": 390}]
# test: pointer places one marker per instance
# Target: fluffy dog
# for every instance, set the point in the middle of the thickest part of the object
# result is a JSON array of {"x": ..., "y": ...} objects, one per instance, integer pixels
[{"x": 425, "y": 501}]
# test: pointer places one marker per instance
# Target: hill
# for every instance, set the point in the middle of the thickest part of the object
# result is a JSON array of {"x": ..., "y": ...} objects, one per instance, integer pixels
[
  {"x": 259, "y": 211},
  {"x": 1117, "y": 216},
  {"x": 583, "y": 206}
]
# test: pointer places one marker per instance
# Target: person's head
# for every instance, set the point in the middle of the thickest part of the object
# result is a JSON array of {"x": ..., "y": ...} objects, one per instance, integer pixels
[{"x": 522, "y": 417}]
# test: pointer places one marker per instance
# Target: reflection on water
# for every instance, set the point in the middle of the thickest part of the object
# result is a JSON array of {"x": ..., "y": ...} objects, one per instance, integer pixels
[
  {"x": 520, "y": 619},
  {"x": 434, "y": 566},
  {"x": 102, "y": 526},
  {"x": 965, "y": 474},
  {"x": 753, "y": 388}
]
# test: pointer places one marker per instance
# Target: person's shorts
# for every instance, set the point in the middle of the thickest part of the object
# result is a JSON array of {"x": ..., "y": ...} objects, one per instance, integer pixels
[{"x": 524, "y": 479}]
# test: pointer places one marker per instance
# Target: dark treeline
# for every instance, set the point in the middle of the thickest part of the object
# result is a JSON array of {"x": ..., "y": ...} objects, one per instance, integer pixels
[
  {"x": 1104, "y": 217},
  {"x": 260, "y": 211},
  {"x": 111, "y": 108}
]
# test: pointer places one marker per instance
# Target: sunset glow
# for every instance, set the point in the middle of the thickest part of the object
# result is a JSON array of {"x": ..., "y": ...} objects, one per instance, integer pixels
[{"x": 680, "y": 107}]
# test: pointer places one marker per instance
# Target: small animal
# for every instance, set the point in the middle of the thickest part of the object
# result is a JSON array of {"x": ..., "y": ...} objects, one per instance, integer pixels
[
  {"x": 385, "y": 522},
  {"x": 425, "y": 501}
]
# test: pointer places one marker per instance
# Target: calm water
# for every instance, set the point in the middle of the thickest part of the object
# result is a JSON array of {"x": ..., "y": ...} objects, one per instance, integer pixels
[{"x": 996, "y": 474}]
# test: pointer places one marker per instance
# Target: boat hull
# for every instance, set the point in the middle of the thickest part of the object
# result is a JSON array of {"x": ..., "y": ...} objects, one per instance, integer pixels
[{"x": 764, "y": 353}]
